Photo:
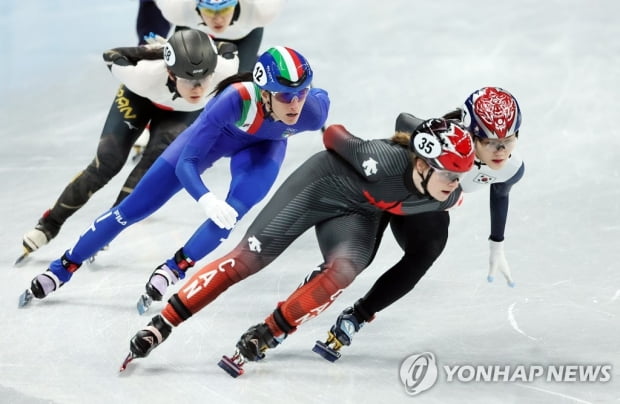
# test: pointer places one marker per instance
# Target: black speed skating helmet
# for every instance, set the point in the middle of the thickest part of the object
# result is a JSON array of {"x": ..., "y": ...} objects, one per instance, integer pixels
[{"x": 190, "y": 54}]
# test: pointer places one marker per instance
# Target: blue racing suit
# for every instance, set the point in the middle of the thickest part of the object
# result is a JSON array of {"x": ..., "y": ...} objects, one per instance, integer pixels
[{"x": 233, "y": 124}]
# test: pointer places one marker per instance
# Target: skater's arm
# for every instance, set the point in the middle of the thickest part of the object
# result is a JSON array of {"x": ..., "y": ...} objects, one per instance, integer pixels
[
  {"x": 200, "y": 137},
  {"x": 130, "y": 56},
  {"x": 348, "y": 146},
  {"x": 315, "y": 110},
  {"x": 372, "y": 159},
  {"x": 499, "y": 196},
  {"x": 188, "y": 168},
  {"x": 499, "y": 200}
]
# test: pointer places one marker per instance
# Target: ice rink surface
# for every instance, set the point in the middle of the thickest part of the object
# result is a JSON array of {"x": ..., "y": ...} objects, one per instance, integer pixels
[{"x": 559, "y": 58}]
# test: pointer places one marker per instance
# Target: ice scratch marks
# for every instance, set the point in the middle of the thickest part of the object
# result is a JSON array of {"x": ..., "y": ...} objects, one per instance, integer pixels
[{"x": 514, "y": 324}]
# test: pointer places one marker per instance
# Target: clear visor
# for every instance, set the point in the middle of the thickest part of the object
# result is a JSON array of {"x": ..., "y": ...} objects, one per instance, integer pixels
[
  {"x": 448, "y": 177},
  {"x": 498, "y": 144},
  {"x": 193, "y": 82}
]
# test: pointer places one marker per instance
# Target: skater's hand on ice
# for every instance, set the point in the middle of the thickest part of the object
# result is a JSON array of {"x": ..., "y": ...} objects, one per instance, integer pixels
[
  {"x": 497, "y": 262},
  {"x": 222, "y": 214}
]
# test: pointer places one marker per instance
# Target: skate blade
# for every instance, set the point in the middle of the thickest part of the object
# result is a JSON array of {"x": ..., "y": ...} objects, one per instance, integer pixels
[
  {"x": 326, "y": 351},
  {"x": 25, "y": 298},
  {"x": 138, "y": 152},
  {"x": 21, "y": 258},
  {"x": 128, "y": 359},
  {"x": 144, "y": 304},
  {"x": 230, "y": 366}
]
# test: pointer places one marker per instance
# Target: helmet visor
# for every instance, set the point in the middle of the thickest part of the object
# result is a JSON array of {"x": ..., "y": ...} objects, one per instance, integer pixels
[
  {"x": 288, "y": 97},
  {"x": 210, "y": 12},
  {"x": 193, "y": 82},
  {"x": 448, "y": 177},
  {"x": 497, "y": 144}
]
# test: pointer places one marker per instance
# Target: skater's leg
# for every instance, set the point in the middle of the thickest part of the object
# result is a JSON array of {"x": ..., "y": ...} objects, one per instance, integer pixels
[
  {"x": 150, "y": 19},
  {"x": 118, "y": 135},
  {"x": 276, "y": 226},
  {"x": 157, "y": 186},
  {"x": 247, "y": 48},
  {"x": 253, "y": 170},
  {"x": 422, "y": 238},
  {"x": 347, "y": 248},
  {"x": 165, "y": 126}
]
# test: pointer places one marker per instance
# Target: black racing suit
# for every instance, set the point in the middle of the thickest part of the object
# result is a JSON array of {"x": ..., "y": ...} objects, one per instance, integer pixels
[
  {"x": 423, "y": 238},
  {"x": 128, "y": 117},
  {"x": 343, "y": 193}
]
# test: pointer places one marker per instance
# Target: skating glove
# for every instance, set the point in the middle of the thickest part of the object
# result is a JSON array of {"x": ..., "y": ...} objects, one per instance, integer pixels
[
  {"x": 222, "y": 214},
  {"x": 497, "y": 262},
  {"x": 154, "y": 41},
  {"x": 113, "y": 56},
  {"x": 131, "y": 55}
]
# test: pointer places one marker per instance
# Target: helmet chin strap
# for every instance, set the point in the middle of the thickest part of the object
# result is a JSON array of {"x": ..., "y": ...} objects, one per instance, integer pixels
[
  {"x": 172, "y": 86},
  {"x": 268, "y": 112},
  {"x": 425, "y": 180}
]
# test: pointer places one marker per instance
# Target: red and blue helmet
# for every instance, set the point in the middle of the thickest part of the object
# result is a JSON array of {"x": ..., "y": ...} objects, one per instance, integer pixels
[
  {"x": 282, "y": 70},
  {"x": 216, "y": 5},
  {"x": 444, "y": 144},
  {"x": 491, "y": 112}
]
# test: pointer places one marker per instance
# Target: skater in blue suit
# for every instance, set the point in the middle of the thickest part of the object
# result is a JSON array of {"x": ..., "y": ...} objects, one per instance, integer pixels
[{"x": 249, "y": 120}]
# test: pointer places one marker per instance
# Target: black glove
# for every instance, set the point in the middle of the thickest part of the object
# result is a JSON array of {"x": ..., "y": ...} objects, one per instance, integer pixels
[
  {"x": 132, "y": 55},
  {"x": 112, "y": 56}
]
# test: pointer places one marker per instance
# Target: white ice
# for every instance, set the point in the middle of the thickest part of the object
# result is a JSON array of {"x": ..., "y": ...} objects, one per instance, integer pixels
[{"x": 376, "y": 59}]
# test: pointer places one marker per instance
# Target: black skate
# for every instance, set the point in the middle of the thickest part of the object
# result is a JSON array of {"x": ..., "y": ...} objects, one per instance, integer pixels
[
  {"x": 339, "y": 335},
  {"x": 250, "y": 347},
  {"x": 147, "y": 339}
]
